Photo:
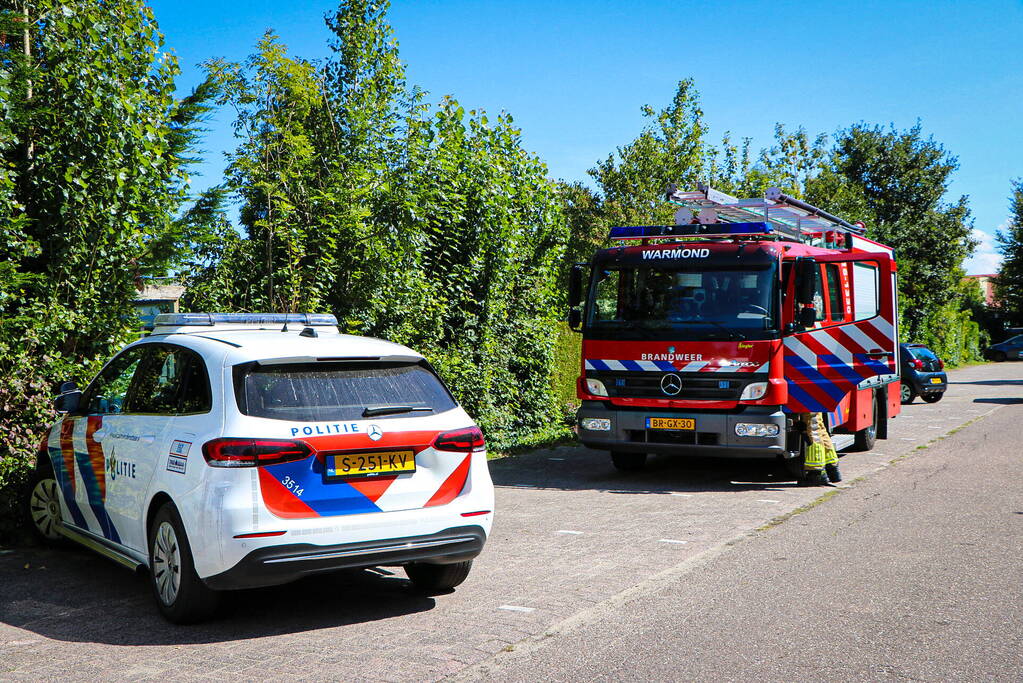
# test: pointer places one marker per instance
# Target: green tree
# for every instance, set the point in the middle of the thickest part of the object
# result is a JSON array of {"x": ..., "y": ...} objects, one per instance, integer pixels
[
  {"x": 93, "y": 155},
  {"x": 896, "y": 181},
  {"x": 670, "y": 149},
  {"x": 1009, "y": 284},
  {"x": 98, "y": 168},
  {"x": 427, "y": 226},
  {"x": 791, "y": 163}
]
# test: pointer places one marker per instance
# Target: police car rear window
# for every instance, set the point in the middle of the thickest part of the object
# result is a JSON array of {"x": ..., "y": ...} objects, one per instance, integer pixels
[{"x": 316, "y": 392}]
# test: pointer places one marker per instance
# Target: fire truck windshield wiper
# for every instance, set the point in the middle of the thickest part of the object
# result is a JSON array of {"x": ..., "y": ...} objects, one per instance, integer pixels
[{"x": 733, "y": 335}]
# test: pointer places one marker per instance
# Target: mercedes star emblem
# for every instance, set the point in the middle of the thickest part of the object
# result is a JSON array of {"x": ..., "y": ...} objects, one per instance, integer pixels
[
  {"x": 376, "y": 433},
  {"x": 671, "y": 384}
]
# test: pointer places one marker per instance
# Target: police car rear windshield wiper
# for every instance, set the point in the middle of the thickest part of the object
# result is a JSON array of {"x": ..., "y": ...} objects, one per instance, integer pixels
[{"x": 370, "y": 411}]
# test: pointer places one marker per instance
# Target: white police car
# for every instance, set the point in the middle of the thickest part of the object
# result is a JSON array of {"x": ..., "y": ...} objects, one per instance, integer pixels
[{"x": 230, "y": 451}]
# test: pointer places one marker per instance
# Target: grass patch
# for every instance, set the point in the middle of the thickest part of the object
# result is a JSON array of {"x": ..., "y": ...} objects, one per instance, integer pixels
[{"x": 567, "y": 439}]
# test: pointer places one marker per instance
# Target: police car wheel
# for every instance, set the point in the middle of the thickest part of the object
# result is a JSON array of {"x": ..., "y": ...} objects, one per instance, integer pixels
[
  {"x": 43, "y": 507},
  {"x": 628, "y": 462},
  {"x": 436, "y": 578},
  {"x": 180, "y": 594}
]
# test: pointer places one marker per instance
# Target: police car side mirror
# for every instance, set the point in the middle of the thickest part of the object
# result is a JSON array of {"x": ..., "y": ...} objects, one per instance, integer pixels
[
  {"x": 807, "y": 316},
  {"x": 68, "y": 402}
]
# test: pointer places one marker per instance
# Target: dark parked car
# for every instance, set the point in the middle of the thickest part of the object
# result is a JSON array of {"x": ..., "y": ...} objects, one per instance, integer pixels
[
  {"x": 1010, "y": 349},
  {"x": 923, "y": 374}
]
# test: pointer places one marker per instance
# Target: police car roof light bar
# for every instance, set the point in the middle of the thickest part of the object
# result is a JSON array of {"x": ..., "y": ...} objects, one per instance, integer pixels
[{"x": 211, "y": 319}]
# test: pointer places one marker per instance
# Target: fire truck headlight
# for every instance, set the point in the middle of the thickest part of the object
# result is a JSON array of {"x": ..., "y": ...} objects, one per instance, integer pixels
[
  {"x": 596, "y": 387},
  {"x": 753, "y": 391},
  {"x": 755, "y": 429},
  {"x": 596, "y": 424}
]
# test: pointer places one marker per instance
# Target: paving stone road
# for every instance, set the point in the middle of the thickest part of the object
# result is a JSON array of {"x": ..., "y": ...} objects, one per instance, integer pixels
[{"x": 571, "y": 538}]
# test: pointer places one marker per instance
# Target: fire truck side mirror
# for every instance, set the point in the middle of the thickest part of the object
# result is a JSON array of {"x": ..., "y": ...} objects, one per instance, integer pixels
[
  {"x": 575, "y": 285},
  {"x": 806, "y": 280},
  {"x": 575, "y": 319}
]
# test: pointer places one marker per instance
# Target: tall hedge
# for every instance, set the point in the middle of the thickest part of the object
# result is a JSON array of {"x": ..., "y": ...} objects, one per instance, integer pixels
[
  {"x": 93, "y": 150},
  {"x": 426, "y": 225}
]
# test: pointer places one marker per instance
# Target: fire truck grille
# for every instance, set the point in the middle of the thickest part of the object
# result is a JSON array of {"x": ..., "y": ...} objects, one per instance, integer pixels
[{"x": 707, "y": 386}]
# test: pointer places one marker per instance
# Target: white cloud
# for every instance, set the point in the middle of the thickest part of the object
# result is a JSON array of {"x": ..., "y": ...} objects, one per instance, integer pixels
[{"x": 986, "y": 258}]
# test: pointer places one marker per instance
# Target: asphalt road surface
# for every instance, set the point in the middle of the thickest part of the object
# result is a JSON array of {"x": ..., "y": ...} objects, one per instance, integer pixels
[{"x": 689, "y": 570}]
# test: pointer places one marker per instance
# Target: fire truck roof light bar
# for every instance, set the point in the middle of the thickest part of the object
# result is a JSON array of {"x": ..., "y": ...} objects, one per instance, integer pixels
[
  {"x": 211, "y": 319},
  {"x": 633, "y": 232},
  {"x": 791, "y": 218}
]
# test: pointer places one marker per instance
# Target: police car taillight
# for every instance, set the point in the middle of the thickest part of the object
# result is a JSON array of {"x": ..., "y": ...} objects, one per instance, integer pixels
[
  {"x": 461, "y": 440},
  {"x": 230, "y": 452}
]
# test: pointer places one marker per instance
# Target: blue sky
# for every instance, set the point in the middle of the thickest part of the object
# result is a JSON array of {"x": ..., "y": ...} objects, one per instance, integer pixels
[{"x": 574, "y": 74}]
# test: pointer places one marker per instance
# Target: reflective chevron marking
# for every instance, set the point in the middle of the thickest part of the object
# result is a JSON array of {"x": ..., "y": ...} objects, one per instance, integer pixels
[{"x": 667, "y": 366}]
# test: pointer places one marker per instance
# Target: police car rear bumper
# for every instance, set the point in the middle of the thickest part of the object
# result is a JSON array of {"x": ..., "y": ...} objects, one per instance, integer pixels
[
  {"x": 714, "y": 434},
  {"x": 274, "y": 565}
]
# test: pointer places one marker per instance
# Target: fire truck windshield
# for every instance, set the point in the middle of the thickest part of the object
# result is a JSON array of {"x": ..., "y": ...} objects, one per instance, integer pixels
[{"x": 669, "y": 302}]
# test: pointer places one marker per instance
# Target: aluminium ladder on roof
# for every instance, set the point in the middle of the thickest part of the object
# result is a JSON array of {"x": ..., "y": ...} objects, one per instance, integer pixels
[{"x": 790, "y": 217}]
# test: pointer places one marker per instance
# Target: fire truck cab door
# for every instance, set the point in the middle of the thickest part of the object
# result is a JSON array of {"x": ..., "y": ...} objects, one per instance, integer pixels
[{"x": 855, "y": 341}]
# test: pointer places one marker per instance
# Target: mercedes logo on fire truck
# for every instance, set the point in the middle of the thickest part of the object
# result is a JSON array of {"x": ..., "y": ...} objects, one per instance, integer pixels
[{"x": 671, "y": 384}]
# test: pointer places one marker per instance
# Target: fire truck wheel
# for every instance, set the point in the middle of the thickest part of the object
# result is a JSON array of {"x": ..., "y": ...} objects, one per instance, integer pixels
[
  {"x": 866, "y": 438},
  {"x": 628, "y": 462},
  {"x": 794, "y": 467}
]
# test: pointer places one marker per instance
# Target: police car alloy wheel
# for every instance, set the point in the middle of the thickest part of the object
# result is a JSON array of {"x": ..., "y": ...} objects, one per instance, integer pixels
[
  {"x": 180, "y": 594},
  {"x": 44, "y": 508},
  {"x": 166, "y": 563}
]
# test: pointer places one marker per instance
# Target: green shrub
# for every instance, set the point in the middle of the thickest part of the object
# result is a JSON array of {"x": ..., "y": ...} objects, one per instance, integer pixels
[
  {"x": 25, "y": 412},
  {"x": 565, "y": 373}
]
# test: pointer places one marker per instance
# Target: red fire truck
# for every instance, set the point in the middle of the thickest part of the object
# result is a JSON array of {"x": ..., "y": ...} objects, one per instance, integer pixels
[{"x": 711, "y": 336}]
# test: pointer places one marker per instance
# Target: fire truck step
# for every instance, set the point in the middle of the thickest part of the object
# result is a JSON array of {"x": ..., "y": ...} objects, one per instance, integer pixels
[{"x": 842, "y": 441}]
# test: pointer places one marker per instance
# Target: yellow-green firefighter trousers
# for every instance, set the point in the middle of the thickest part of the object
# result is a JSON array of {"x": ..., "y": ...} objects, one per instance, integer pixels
[{"x": 821, "y": 451}]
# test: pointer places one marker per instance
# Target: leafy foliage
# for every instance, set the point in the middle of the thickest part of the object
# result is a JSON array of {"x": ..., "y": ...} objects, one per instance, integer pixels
[
  {"x": 670, "y": 149},
  {"x": 428, "y": 226},
  {"x": 1009, "y": 284},
  {"x": 895, "y": 181},
  {"x": 93, "y": 151}
]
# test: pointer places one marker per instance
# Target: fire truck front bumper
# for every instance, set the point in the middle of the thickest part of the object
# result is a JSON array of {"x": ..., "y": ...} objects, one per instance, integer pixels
[{"x": 752, "y": 432}]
